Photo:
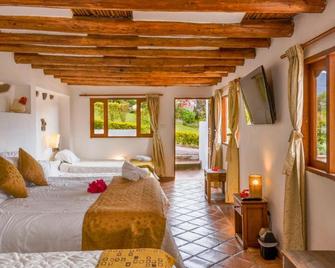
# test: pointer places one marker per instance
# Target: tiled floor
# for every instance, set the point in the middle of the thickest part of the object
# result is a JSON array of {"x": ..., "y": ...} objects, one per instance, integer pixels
[{"x": 204, "y": 233}]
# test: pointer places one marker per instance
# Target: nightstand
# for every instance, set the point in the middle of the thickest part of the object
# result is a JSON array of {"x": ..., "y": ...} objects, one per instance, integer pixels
[
  {"x": 250, "y": 217},
  {"x": 214, "y": 177}
]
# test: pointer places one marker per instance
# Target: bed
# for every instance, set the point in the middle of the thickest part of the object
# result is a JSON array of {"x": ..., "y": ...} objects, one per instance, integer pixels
[
  {"x": 84, "y": 259},
  {"x": 51, "y": 218},
  {"x": 111, "y": 166}
]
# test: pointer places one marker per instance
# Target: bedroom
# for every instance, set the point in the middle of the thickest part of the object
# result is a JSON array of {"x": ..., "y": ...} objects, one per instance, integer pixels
[{"x": 262, "y": 148}]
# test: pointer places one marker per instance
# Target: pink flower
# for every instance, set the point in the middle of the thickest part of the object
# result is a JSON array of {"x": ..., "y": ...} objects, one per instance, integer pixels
[
  {"x": 97, "y": 186},
  {"x": 23, "y": 100}
]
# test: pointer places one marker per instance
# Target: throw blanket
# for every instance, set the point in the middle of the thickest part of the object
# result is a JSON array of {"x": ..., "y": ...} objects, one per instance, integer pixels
[
  {"x": 142, "y": 164},
  {"x": 135, "y": 258},
  {"x": 127, "y": 215}
]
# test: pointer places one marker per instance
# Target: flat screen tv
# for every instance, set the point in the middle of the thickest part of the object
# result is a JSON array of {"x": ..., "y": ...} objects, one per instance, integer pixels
[{"x": 258, "y": 98}]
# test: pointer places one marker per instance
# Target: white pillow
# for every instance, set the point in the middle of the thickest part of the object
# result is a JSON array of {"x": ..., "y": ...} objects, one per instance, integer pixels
[
  {"x": 12, "y": 157},
  {"x": 67, "y": 156},
  {"x": 143, "y": 158},
  {"x": 50, "y": 168},
  {"x": 133, "y": 173}
]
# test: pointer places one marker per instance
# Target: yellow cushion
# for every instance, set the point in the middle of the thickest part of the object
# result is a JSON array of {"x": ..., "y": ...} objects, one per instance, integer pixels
[
  {"x": 30, "y": 169},
  {"x": 11, "y": 181}
]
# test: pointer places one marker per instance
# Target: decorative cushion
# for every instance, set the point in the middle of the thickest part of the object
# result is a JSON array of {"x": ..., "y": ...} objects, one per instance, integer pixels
[
  {"x": 143, "y": 158},
  {"x": 30, "y": 169},
  {"x": 11, "y": 181},
  {"x": 67, "y": 156},
  {"x": 50, "y": 168}
]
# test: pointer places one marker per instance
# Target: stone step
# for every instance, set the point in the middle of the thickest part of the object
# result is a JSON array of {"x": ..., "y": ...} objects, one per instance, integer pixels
[{"x": 182, "y": 165}]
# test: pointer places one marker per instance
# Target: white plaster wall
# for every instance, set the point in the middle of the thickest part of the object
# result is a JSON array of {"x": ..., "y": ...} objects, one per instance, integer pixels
[
  {"x": 101, "y": 148},
  {"x": 263, "y": 147},
  {"x": 19, "y": 130}
]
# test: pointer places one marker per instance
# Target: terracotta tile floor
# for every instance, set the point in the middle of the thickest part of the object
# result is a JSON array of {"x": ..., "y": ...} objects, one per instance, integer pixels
[{"x": 205, "y": 233}]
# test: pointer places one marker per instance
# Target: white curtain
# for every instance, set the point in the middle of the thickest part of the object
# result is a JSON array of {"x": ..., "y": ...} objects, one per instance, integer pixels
[
  {"x": 232, "y": 157},
  {"x": 294, "y": 167},
  {"x": 157, "y": 146},
  {"x": 216, "y": 155}
]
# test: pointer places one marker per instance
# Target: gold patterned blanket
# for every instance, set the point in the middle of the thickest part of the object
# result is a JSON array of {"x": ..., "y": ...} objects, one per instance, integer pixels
[{"x": 127, "y": 215}]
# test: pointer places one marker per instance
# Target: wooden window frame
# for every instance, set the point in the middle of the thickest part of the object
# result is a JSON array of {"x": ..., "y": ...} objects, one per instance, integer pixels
[
  {"x": 326, "y": 60},
  {"x": 139, "y": 102}
]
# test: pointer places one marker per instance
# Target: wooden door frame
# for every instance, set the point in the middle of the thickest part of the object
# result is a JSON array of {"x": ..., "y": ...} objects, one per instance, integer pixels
[{"x": 174, "y": 124}]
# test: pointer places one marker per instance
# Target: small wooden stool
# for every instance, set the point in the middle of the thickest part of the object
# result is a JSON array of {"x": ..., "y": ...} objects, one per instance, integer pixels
[{"x": 214, "y": 176}]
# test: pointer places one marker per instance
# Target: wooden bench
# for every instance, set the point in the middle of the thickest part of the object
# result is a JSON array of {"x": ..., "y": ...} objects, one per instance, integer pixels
[{"x": 308, "y": 259}]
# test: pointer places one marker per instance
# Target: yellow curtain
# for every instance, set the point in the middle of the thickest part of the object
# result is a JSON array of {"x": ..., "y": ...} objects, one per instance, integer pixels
[
  {"x": 216, "y": 155},
  {"x": 294, "y": 167},
  {"x": 158, "y": 157},
  {"x": 232, "y": 157}
]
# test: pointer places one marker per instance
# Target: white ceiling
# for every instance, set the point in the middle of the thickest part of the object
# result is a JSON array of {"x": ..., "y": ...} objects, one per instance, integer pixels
[{"x": 200, "y": 17}]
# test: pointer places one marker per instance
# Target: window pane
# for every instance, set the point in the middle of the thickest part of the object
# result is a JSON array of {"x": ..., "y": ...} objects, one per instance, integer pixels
[
  {"x": 99, "y": 118},
  {"x": 321, "y": 119},
  {"x": 122, "y": 117},
  {"x": 145, "y": 118}
]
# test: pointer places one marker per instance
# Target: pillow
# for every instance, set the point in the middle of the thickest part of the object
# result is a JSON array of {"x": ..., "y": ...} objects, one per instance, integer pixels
[
  {"x": 11, "y": 181},
  {"x": 50, "y": 168},
  {"x": 143, "y": 158},
  {"x": 67, "y": 156},
  {"x": 133, "y": 173},
  {"x": 30, "y": 169}
]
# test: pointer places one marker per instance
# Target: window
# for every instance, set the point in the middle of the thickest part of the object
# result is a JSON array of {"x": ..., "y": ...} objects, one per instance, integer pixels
[
  {"x": 120, "y": 118},
  {"x": 319, "y": 112},
  {"x": 225, "y": 124}
]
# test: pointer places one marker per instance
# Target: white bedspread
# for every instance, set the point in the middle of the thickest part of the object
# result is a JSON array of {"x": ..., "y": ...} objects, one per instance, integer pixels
[
  {"x": 70, "y": 259},
  {"x": 112, "y": 166}
]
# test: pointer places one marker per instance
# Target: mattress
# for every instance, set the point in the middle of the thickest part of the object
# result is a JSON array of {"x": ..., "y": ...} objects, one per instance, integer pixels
[{"x": 112, "y": 166}]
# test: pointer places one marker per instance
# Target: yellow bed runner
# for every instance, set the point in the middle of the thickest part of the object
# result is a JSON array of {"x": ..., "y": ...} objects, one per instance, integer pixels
[
  {"x": 144, "y": 164},
  {"x": 135, "y": 258},
  {"x": 127, "y": 215}
]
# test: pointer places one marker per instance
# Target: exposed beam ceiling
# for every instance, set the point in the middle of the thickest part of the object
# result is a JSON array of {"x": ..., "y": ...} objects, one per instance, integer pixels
[
  {"x": 121, "y": 62},
  {"x": 102, "y": 44},
  {"x": 252, "y": 29},
  {"x": 264, "y": 6},
  {"x": 248, "y": 53},
  {"x": 128, "y": 41}
]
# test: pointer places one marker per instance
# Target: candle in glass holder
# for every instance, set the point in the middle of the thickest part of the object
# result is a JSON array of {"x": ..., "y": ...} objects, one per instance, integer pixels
[{"x": 255, "y": 186}]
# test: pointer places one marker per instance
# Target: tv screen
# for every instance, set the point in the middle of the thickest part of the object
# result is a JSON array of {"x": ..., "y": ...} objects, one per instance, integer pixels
[{"x": 258, "y": 98}]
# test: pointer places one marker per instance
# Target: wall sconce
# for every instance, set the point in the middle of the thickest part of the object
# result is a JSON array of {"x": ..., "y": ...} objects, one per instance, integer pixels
[
  {"x": 51, "y": 97},
  {"x": 43, "y": 124},
  {"x": 44, "y": 95},
  {"x": 37, "y": 93},
  {"x": 255, "y": 186},
  {"x": 53, "y": 142}
]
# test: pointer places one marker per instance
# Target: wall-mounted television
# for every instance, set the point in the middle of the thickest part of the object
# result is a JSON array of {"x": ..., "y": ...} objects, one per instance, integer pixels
[{"x": 258, "y": 98}]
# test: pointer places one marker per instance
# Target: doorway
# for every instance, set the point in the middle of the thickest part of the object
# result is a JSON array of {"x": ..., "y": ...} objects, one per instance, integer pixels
[{"x": 191, "y": 133}]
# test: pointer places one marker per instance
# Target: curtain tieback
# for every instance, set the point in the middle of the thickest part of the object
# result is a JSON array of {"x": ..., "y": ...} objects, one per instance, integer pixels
[{"x": 295, "y": 135}]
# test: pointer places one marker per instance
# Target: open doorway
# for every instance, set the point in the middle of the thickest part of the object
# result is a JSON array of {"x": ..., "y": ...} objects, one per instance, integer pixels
[{"x": 191, "y": 133}]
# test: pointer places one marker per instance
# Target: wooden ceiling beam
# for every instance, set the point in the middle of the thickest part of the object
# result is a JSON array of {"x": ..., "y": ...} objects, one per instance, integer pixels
[
  {"x": 61, "y": 73},
  {"x": 252, "y": 29},
  {"x": 134, "y": 83},
  {"x": 128, "y": 41},
  {"x": 107, "y": 61},
  {"x": 265, "y": 6},
  {"x": 76, "y": 68},
  {"x": 231, "y": 53},
  {"x": 186, "y": 80}
]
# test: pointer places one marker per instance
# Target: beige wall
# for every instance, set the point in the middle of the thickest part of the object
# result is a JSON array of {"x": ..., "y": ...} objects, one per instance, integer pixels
[
  {"x": 101, "y": 148},
  {"x": 263, "y": 147}
]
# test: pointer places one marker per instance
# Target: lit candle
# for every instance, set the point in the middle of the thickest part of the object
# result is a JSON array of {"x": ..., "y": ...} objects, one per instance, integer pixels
[{"x": 255, "y": 186}]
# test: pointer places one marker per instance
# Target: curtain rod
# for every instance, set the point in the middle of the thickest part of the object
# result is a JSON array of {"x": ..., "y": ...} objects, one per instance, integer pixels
[
  {"x": 315, "y": 39},
  {"x": 118, "y": 95}
]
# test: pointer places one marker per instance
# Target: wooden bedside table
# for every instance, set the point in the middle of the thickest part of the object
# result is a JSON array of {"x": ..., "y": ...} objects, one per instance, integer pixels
[
  {"x": 250, "y": 217},
  {"x": 214, "y": 176}
]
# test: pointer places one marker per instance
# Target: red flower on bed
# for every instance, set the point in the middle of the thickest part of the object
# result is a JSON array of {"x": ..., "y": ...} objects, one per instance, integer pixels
[{"x": 97, "y": 186}]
